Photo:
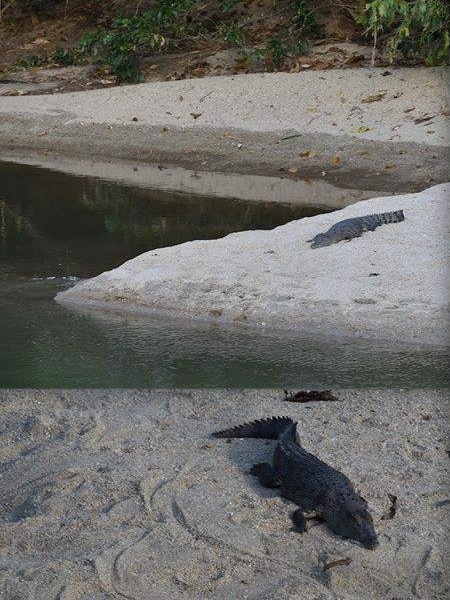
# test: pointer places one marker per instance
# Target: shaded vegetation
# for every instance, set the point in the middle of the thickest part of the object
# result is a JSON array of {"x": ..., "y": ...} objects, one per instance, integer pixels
[
  {"x": 173, "y": 24},
  {"x": 122, "y": 34},
  {"x": 418, "y": 28},
  {"x": 121, "y": 44}
]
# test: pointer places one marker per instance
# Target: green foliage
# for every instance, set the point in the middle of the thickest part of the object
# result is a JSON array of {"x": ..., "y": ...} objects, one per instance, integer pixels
[
  {"x": 87, "y": 43},
  {"x": 119, "y": 45},
  {"x": 304, "y": 26},
  {"x": 411, "y": 28},
  {"x": 228, "y": 5},
  {"x": 295, "y": 42},
  {"x": 276, "y": 52},
  {"x": 417, "y": 28},
  {"x": 65, "y": 57},
  {"x": 34, "y": 60},
  {"x": 305, "y": 17},
  {"x": 232, "y": 33},
  {"x": 300, "y": 47}
]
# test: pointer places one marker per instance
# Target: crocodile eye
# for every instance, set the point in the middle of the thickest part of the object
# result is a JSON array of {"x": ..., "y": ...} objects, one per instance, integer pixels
[{"x": 354, "y": 517}]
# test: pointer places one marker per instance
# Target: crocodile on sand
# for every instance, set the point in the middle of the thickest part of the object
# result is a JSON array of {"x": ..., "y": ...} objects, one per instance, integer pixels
[
  {"x": 313, "y": 485},
  {"x": 355, "y": 227}
]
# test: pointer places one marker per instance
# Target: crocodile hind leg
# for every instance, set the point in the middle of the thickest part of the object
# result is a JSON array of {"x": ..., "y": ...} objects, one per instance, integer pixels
[
  {"x": 299, "y": 520},
  {"x": 300, "y": 516},
  {"x": 267, "y": 475},
  {"x": 353, "y": 236}
]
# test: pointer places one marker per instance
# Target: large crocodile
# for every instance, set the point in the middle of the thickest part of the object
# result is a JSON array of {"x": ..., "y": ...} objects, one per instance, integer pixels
[
  {"x": 313, "y": 485},
  {"x": 355, "y": 227}
]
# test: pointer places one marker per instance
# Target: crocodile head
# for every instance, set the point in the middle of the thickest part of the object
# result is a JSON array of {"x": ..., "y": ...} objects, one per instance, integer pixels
[
  {"x": 353, "y": 520},
  {"x": 320, "y": 240}
]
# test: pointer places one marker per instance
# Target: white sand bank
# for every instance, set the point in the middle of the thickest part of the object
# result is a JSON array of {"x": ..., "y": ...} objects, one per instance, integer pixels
[
  {"x": 368, "y": 129},
  {"x": 274, "y": 278},
  {"x": 371, "y": 103}
]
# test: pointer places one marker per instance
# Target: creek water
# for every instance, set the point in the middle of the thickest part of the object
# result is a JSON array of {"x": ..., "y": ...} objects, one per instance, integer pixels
[{"x": 56, "y": 228}]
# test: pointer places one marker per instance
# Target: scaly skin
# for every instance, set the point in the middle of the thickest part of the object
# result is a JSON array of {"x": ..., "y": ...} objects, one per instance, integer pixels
[
  {"x": 355, "y": 227},
  {"x": 309, "y": 482}
]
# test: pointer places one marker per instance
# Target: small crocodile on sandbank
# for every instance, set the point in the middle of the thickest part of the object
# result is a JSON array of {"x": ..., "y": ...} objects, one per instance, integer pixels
[{"x": 355, "y": 227}]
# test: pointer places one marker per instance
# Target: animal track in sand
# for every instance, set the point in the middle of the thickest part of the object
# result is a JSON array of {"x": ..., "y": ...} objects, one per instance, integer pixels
[{"x": 214, "y": 528}]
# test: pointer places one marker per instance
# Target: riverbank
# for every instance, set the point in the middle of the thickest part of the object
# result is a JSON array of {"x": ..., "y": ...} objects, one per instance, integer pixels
[
  {"x": 110, "y": 494},
  {"x": 387, "y": 130},
  {"x": 390, "y": 284}
]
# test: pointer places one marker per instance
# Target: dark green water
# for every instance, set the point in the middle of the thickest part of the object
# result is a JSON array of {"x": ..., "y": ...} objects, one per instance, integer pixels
[{"x": 56, "y": 227}]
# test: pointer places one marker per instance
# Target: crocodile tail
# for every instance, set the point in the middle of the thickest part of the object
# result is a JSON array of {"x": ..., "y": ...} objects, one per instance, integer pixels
[
  {"x": 268, "y": 429},
  {"x": 394, "y": 216}
]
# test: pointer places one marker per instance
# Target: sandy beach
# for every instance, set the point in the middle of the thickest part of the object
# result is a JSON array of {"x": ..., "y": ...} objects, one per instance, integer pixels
[
  {"x": 373, "y": 129},
  {"x": 122, "y": 494}
]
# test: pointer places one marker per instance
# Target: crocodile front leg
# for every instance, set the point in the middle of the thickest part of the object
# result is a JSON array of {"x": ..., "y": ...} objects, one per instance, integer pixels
[{"x": 267, "y": 474}]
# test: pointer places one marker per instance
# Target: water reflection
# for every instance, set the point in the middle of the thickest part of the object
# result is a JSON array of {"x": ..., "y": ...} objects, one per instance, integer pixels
[{"x": 61, "y": 225}]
